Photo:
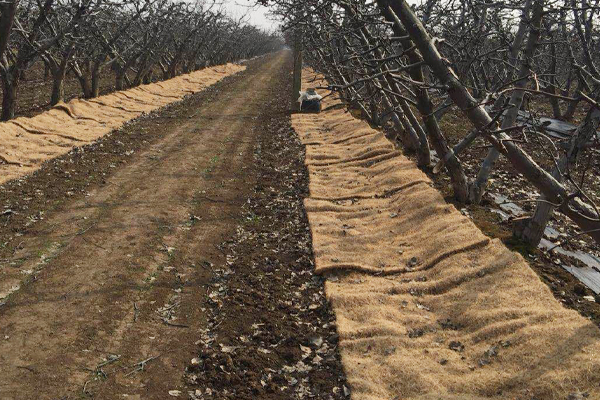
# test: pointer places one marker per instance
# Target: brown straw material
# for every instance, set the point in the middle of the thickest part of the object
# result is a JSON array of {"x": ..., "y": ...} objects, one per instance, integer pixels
[
  {"x": 428, "y": 307},
  {"x": 25, "y": 143}
]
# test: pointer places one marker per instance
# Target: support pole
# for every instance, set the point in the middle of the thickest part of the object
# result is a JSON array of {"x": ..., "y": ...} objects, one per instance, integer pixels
[{"x": 297, "y": 84}]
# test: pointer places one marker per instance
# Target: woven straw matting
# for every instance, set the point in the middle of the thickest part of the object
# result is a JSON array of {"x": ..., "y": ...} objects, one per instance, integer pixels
[
  {"x": 427, "y": 306},
  {"x": 25, "y": 143}
]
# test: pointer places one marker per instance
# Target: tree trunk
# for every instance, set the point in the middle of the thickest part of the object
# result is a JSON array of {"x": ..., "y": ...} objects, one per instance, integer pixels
[
  {"x": 425, "y": 107},
  {"x": 7, "y": 16},
  {"x": 413, "y": 132},
  {"x": 95, "y": 80},
  {"x": 579, "y": 212},
  {"x": 86, "y": 89},
  {"x": 165, "y": 72},
  {"x": 119, "y": 79},
  {"x": 58, "y": 90},
  {"x": 403, "y": 132},
  {"x": 534, "y": 230},
  {"x": 172, "y": 70},
  {"x": 139, "y": 76},
  {"x": 478, "y": 187},
  {"x": 572, "y": 106},
  {"x": 10, "y": 86},
  {"x": 417, "y": 133},
  {"x": 515, "y": 47},
  {"x": 552, "y": 89},
  {"x": 137, "y": 80},
  {"x": 127, "y": 80},
  {"x": 407, "y": 136}
]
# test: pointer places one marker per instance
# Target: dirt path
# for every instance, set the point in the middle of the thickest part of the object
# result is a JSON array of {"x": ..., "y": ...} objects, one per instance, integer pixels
[{"x": 114, "y": 281}]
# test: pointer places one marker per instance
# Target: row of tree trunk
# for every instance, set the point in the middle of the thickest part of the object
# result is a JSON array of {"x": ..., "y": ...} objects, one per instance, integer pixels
[{"x": 362, "y": 62}]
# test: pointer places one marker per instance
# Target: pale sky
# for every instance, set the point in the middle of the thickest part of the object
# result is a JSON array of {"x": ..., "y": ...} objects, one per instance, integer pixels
[{"x": 256, "y": 15}]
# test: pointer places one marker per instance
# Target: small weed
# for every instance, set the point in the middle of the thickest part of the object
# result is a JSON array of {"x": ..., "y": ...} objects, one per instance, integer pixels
[
  {"x": 252, "y": 219},
  {"x": 151, "y": 278},
  {"x": 212, "y": 163}
]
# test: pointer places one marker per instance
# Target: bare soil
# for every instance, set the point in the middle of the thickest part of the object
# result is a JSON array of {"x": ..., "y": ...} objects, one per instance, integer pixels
[{"x": 170, "y": 259}]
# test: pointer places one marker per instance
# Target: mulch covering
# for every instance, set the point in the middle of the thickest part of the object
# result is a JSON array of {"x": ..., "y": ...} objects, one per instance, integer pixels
[
  {"x": 427, "y": 306},
  {"x": 26, "y": 142}
]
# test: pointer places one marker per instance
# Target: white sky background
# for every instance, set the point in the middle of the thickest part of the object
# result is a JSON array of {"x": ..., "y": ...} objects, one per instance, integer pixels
[{"x": 257, "y": 16}]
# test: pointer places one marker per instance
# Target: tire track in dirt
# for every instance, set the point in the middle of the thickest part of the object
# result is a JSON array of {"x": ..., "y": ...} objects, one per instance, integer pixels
[{"x": 118, "y": 274}]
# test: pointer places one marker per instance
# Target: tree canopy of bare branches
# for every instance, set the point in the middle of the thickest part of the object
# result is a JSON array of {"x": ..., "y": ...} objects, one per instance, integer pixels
[
  {"x": 500, "y": 64},
  {"x": 135, "y": 40}
]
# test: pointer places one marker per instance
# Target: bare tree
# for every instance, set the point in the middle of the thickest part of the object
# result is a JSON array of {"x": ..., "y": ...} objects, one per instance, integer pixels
[
  {"x": 24, "y": 21},
  {"x": 66, "y": 17},
  {"x": 516, "y": 99},
  {"x": 389, "y": 60},
  {"x": 132, "y": 39}
]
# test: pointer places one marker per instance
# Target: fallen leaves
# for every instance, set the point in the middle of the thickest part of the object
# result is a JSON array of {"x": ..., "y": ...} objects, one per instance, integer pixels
[{"x": 270, "y": 332}]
